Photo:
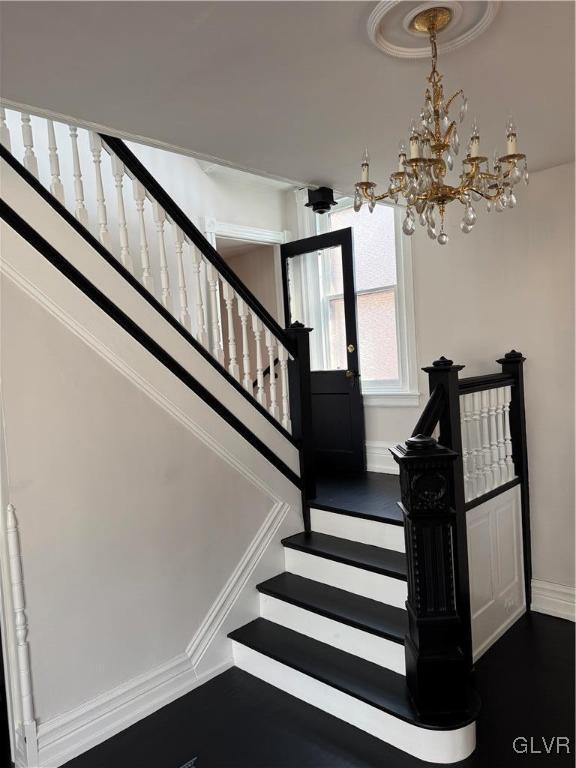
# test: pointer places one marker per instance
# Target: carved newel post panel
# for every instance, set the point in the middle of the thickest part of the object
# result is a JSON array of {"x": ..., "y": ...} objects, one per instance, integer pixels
[{"x": 436, "y": 665}]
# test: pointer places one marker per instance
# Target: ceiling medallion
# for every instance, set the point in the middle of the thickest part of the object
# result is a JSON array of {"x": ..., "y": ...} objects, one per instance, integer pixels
[
  {"x": 391, "y": 26},
  {"x": 421, "y": 175}
]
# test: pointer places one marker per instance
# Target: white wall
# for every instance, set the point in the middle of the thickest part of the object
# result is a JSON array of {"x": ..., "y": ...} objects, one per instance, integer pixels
[
  {"x": 141, "y": 513},
  {"x": 510, "y": 283},
  {"x": 224, "y": 194}
]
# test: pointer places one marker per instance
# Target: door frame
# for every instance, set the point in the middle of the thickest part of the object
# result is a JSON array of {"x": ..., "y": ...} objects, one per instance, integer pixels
[
  {"x": 342, "y": 239},
  {"x": 338, "y": 238},
  {"x": 214, "y": 229}
]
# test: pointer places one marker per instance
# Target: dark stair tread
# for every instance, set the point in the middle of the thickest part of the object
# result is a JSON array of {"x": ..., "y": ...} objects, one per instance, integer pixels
[
  {"x": 356, "y": 611},
  {"x": 371, "y": 495},
  {"x": 368, "y": 682},
  {"x": 354, "y": 553}
]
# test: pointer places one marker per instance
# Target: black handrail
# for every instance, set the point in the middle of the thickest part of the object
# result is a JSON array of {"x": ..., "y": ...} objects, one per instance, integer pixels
[
  {"x": 430, "y": 416},
  {"x": 487, "y": 381},
  {"x": 192, "y": 232}
]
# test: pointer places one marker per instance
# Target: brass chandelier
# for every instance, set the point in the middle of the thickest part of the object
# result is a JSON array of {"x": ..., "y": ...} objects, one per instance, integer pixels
[{"x": 434, "y": 140}]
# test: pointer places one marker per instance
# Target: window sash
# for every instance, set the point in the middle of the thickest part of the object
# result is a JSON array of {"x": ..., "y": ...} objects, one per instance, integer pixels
[{"x": 407, "y": 381}]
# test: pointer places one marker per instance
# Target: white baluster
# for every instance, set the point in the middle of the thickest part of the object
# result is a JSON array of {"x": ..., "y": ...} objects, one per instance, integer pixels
[
  {"x": 96, "y": 149},
  {"x": 478, "y": 457},
  {"x": 29, "y": 161},
  {"x": 56, "y": 187},
  {"x": 271, "y": 347},
  {"x": 20, "y": 620},
  {"x": 501, "y": 444},
  {"x": 184, "y": 314},
  {"x": 118, "y": 173},
  {"x": 4, "y": 130},
  {"x": 200, "y": 309},
  {"x": 492, "y": 417},
  {"x": 214, "y": 306},
  {"x": 485, "y": 429},
  {"x": 246, "y": 374},
  {"x": 228, "y": 296},
  {"x": 139, "y": 197},
  {"x": 80, "y": 209},
  {"x": 257, "y": 330},
  {"x": 160, "y": 220},
  {"x": 283, "y": 362},
  {"x": 467, "y": 457},
  {"x": 507, "y": 434}
]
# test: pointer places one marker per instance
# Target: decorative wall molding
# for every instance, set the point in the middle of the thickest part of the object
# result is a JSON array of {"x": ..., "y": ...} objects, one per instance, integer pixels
[
  {"x": 248, "y": 234},
  {"x": 496, "y": 568},
  {"x": 233, "y": 587},
  {"x": 61, "y": 738},
  {"x": 69, "y": 735},
  {"x": 391, "y": 399},
  {"x": 10, "y": 272},
  {"x": 379, "y": 458},
  {"x": 554, "y": 599}
]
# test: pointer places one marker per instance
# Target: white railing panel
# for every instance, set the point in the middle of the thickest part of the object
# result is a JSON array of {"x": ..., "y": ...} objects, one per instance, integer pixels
[
  {"x": 486, "y": 441},
  {"x": 86, "y": 176}
]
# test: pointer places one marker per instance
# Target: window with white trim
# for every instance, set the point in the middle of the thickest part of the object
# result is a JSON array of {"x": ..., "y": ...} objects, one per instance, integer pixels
[{"x": 384, "y": 301}]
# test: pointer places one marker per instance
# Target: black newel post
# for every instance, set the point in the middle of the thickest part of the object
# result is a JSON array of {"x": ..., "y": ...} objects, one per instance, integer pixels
[
  {"x": 437, "y": 667},
  {"x": 444, "y": 375},
  {"x": 301, "y": 412},
  {"x": 513, "y": 364}
]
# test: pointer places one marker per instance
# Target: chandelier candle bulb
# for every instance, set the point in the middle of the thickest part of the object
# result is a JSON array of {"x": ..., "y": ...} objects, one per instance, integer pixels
[
  {"x": 401, "y": 158},
  {"x": 365, "y": 165},
  {"x": 475, "y": 141},
  {"x": 510, "y": 137}
]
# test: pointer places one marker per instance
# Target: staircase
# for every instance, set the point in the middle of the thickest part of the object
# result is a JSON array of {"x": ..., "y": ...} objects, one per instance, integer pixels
[
  {"x": 331, "y": 632},
  {"x": 370, "y": 619}
]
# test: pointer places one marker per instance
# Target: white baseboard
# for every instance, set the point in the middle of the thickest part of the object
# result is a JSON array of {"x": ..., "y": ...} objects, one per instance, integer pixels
[
  {"x": 379, "y": 458},
  {"x": 554, "y": 599},
  {"x": 69, "y": 735}
]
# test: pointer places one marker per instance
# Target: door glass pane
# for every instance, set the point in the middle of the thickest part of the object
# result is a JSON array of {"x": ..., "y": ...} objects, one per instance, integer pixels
[{"x": 315, "y": 287}]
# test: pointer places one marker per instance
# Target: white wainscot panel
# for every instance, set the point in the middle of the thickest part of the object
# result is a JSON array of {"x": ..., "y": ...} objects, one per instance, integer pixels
[{"x": 496, "y": 566}]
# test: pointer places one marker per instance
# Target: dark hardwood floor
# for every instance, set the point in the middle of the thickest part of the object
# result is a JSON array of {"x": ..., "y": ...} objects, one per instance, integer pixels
[
  {"x": 373, "y": 495},
  {"x": 526, "y": 682}
]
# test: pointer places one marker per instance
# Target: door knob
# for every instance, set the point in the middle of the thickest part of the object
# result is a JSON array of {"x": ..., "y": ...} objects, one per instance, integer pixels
[{"x": 351, "y": 347}]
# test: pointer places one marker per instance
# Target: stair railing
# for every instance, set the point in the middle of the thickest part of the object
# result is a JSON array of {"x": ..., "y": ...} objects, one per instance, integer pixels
[
  {"x": 480, "y": 452},
  {"x": 157, "y": 243}
]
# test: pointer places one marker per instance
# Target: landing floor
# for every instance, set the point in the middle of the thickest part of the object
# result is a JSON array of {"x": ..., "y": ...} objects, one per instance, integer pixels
[
  {"x": 526, "y": 682},
  {"x": 368, "y": 494}
]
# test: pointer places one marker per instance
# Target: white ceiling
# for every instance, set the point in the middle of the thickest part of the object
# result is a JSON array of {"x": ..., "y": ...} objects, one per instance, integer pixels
[{"x": 290, "y": 89}]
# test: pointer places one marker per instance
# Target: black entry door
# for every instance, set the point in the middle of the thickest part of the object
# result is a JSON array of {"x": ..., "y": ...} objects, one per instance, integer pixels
[{"x": 318, "y": 281}]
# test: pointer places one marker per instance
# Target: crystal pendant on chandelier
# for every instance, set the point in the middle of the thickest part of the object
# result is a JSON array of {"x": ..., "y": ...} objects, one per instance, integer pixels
[
  {"x": 408, "y": 225},
  {"x": 425, "y": 162}
]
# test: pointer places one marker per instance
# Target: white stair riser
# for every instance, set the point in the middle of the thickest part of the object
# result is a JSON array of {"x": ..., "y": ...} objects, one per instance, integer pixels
[
  {"x": 358, "y": 529},
  {"x": 376, "y": 586},
  {"x": 430, "y": 745},
  {"x": 349, "y": 639}
]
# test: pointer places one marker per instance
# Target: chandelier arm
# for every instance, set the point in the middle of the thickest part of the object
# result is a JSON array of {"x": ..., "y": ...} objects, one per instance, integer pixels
[
  {"x": 449, "y": 131},
  {"x": 370, "y": 196},
  {"x": 451, "y": 99}
]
